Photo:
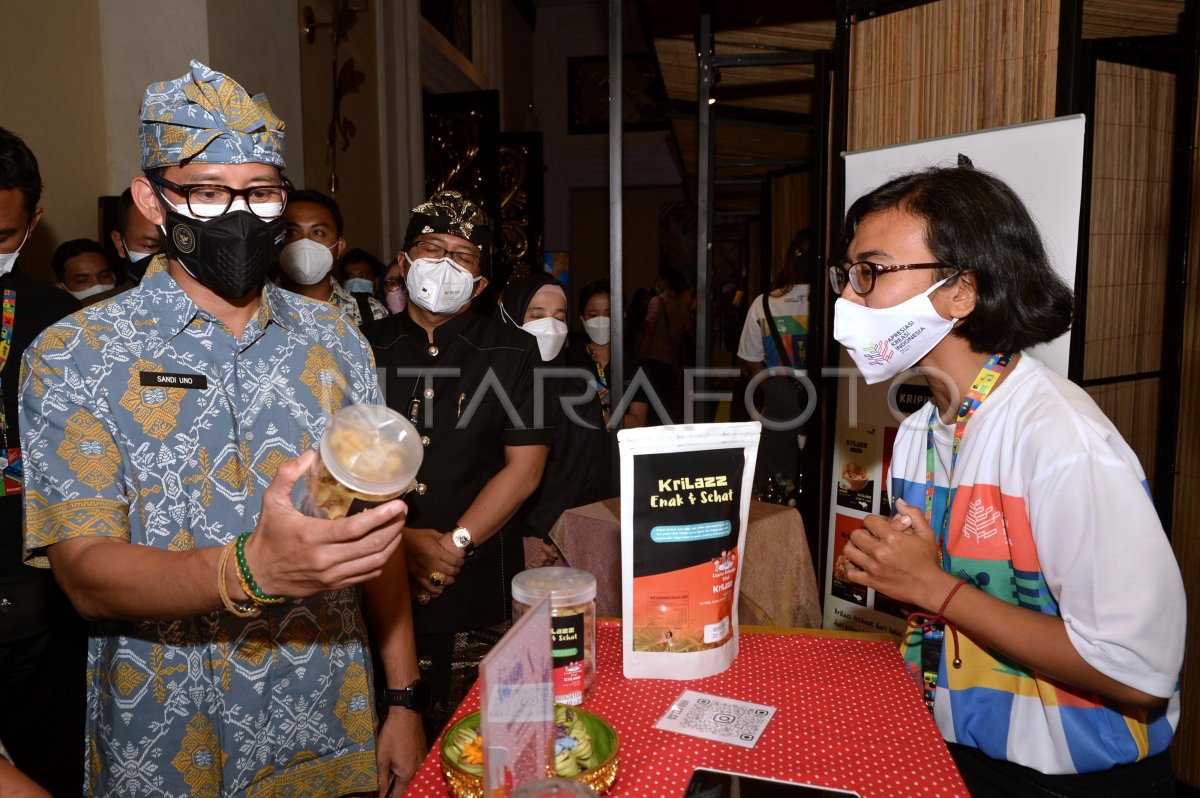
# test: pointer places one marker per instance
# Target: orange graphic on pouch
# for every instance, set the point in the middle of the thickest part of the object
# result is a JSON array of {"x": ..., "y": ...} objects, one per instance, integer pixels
[{"x": 686, "y": 610}]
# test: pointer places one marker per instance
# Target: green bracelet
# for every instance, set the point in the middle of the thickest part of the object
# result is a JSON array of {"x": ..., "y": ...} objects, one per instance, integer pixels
[{"x": 256, "y": 593}]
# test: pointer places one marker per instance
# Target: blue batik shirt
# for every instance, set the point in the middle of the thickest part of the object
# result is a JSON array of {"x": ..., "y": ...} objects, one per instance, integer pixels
[{"x": 144, "y": 419}]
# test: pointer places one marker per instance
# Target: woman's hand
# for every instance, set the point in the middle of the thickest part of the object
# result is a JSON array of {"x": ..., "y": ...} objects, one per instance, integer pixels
[{"x": 898, "y": 556}]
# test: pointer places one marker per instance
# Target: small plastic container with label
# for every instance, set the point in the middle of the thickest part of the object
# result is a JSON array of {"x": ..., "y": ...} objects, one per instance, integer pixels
[
  {"x": 573, "y": 625},
  {"x": 368, "y": 455}
]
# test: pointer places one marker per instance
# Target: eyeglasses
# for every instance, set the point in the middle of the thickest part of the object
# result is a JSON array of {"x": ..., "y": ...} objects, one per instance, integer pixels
[
  {"x": 428, "y": 249},
  {"x": 393, "y": 284},
  {"x": 209, "y": 200},
  {"x": 860, "y": 275}
]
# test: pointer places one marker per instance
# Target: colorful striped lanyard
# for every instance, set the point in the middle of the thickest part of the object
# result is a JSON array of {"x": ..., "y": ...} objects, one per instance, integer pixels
[
  {"x": 985, "y": 380},
  {"x": 599, "y": 370},
  {"x": 6, "y": 336}
]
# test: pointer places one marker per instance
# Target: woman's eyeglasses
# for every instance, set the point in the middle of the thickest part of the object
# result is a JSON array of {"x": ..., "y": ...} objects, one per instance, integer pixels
[{"x": 860, "y": 275}]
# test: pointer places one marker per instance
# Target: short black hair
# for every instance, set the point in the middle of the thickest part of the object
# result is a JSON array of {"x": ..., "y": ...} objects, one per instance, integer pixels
[
  {"x": 794, "y": 268},
  {"x": 19, "y": 169},
  {"x": 124, "y": 206},
  {"x": 673, "y": 277},
  {"x": 317, "y": 198},
  {"x": 360, "y": 255},
  {"x": 975, "y": 221},
  {"x": 597, "y": 285},
  {"x": 69, "y": 249}
]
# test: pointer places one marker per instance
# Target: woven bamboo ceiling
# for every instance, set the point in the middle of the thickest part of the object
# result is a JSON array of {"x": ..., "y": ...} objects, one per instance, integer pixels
[{"x": 764, "y": 113}]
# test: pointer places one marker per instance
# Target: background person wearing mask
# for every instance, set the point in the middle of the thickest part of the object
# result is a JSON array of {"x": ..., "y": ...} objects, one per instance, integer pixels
[
  {"x": 43, "y": 643},
  {"x": 136, "y": 238},
  {"x": 593, "y": 351},
  {"x": 395, "y": 292},
  {"x": 312, "y": 243},
  {"x": 361, "y": 272},
  {"x": 466, "y": 382},
  {"x": 82, "y": 270},
  {"x": 578, "y": 467}
]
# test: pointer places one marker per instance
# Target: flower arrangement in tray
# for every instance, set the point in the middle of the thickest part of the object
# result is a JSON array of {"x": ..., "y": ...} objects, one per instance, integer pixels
[{"x": 585, "y": 749}]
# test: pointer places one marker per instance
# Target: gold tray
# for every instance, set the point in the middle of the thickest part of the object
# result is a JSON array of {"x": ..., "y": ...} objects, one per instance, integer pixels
[{"x": 466, "y": 781}]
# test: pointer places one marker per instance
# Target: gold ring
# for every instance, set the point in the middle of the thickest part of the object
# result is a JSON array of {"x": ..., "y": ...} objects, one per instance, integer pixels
[
  {"x": 437, "y": 578},
  {"x": 423, "y": 598}
]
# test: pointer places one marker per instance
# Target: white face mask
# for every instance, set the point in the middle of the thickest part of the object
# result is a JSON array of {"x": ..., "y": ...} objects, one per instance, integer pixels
[
  {"x": 306, "y": 262},
  {"x": 439, "y": 286},
  {"x": 132, "y": 255},
  {"x": 87, "y": 292},
  {"x": 9, "y": 258},
  {"x": 598, "y": 328},
  {"x": 550, "y": 334},
  {"x": 884, "y": 342}
]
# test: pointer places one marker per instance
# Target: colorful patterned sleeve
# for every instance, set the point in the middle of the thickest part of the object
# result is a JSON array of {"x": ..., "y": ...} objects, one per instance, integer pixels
[{"x": 74, "y": 485}]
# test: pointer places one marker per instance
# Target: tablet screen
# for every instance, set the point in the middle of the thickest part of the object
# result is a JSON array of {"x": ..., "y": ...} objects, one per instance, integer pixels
[{"x": 716, "y": 784}]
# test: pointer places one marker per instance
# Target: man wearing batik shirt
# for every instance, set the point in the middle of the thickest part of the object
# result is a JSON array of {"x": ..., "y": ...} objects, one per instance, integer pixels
[{"x": 165, "y": 430}]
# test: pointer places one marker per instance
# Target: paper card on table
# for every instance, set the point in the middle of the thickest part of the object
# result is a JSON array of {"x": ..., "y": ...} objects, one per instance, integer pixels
[
  {"x": 516, "y": 688},
  {"x": 713, "y": 717}
]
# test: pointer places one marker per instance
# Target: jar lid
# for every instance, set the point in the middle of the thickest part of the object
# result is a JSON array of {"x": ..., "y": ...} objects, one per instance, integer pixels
[
  {"x": 566, "y": 586},
  {"x": 372, "y": 449}
]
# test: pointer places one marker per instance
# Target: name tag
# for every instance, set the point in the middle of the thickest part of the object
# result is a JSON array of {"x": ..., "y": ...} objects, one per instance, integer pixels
[{"x": 160, "y": 379}]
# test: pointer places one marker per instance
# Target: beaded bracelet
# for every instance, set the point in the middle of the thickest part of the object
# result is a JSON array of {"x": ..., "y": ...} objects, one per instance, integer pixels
[
  {"x": 251, "y": 587},
  {"x": 243, "y": 610},
  {"x": 924, "y": 622}
]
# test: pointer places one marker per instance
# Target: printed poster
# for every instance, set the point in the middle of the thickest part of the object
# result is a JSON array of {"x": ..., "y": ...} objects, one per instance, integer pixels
[{"x": 856, "y": 463}]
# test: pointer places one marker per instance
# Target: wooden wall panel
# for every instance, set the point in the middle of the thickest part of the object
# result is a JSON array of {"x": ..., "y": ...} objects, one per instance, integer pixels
[
  {"x": 1185, "y": 536},
  {"x": 1128, "y": 246},
  {"x": 1131, "y": 407},
  {"x": 949, "y": 67}
]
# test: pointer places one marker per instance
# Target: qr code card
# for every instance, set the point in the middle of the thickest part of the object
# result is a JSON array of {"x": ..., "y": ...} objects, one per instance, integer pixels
[{"x": 712, "y": 717}]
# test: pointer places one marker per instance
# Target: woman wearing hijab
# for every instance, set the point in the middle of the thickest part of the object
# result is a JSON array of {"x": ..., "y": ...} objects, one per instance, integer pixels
[{"x": 578, "y": 468}]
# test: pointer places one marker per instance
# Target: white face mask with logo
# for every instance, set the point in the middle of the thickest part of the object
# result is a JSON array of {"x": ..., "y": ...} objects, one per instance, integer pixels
[
  {"x": 305, "y": 261},
  {"x": 598, "y": 328},
  {"x": 9, "y": 258},
  {"x": 439, "y": 286},
  {"x": 550, "y": 333},
  {"x": 884, "y": 342}
]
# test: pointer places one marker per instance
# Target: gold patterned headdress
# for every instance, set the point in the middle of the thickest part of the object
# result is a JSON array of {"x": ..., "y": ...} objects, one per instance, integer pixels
[{"x": 207, "y": 116}]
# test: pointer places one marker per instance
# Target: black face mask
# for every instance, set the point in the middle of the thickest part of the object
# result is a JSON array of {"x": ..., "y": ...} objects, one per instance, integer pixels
[{"x": 229, "y": 254}]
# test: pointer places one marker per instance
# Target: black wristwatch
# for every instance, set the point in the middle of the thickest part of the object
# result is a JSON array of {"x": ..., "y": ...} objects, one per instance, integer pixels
[{"x": 416, "y": 697}]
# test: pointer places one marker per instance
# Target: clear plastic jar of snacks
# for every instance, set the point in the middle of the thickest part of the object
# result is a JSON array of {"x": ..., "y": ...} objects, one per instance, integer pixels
[
  {"x": 368, "y": 455},
  {"x": 573, "y": 625}
]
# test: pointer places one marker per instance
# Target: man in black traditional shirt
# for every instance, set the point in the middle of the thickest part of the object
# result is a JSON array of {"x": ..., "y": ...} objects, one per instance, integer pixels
[
  {"x": 43, "y": 643},
  {"x": 466, "y": 382}
]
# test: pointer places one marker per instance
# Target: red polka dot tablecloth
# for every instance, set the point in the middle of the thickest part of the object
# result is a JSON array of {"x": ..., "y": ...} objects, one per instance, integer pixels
[{"x": 849, "y": 716}]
